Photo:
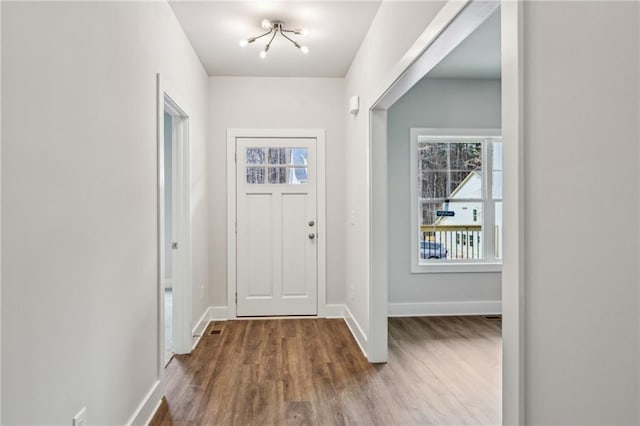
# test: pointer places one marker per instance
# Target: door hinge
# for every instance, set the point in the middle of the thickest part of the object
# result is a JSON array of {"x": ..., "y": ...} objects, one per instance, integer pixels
[
  {"x": 236, "y": 227},
  {"x": 236, "y": 298},
  {"x": 235, "y": 156}
]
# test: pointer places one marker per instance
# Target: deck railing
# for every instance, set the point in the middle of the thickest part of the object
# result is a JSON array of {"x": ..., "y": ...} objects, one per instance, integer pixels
[{"x": 451, "y": 241}]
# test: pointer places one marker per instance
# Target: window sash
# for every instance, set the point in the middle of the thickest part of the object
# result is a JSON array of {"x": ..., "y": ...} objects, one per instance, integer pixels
[{"x": 487, "y": 137}]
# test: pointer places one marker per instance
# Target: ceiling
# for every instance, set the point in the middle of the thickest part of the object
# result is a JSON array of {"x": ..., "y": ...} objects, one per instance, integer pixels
[
  {"x": 478, "y": 56},
  {"x": 337, "y": 29}
]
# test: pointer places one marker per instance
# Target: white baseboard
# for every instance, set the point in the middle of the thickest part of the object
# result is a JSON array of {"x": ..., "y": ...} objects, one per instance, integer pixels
[
  {"x": 148, "y": 407},
  {"x": 334, "y": 311},
  {"x": 487, "y": 307},
  {"x": 218, "y": 313},
  {"x": 356, "y": 330},
  {"x": 212, "y": 313},
  {"x": 224, "y": 313},
  {"x": 198, "y": 330}
]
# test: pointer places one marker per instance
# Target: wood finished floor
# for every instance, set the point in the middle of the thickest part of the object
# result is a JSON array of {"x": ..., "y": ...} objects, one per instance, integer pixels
[{"x": 441, "y": 371}]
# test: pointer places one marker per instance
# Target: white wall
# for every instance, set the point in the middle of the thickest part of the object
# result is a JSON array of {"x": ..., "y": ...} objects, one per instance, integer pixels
[
  {"x": 394, "y": 29},
  {"x": 79, "y": 203},
  {"x": 581, "y": 188},
  {"x": 435, "y": 103},
  {"x": 254, "y": 102}
]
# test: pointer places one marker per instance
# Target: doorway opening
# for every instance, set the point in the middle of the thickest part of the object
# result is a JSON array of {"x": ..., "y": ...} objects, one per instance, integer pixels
[
  {"x": 173, "y": 230},
  {"x": 456, "y": 22}
]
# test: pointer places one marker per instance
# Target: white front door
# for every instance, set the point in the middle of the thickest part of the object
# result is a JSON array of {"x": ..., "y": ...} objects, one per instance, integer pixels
[{"x": 276, "y": 226}]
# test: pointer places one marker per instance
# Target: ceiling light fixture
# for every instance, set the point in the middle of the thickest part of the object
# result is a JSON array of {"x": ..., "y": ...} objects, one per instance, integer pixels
[{"x": 275, "y": 27}]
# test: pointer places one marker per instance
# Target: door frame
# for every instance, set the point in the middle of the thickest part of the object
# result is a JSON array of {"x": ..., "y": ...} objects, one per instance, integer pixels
[
  {"x": 439, "y": 38},
  {"x": 182, "y": 291},
  {"x": 319, "y": 136}
]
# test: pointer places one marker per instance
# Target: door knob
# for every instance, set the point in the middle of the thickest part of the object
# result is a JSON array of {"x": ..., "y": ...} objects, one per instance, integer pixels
[{"x": 312, "y": 236}]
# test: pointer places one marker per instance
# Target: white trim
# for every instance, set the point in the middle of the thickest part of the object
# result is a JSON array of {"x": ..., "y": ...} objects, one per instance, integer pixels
[
  {"x": 221, "y": 313},
  {"x": 319, "y": 135},
  {"x": 218, "y": 313},
  {"x": 212, "y": 313},
  {"x": 160, "y": 228},
  {"x": 200, "y": 327},
  {"x": 433, "y": 45},
  {"x": 183, "y": 321},
  {"x": 488, "y": 307},
  {"x": 489, "y": 263},
  {"x": 377, "y": 349},
  {"x": 321, "y": 209},
  {"x": 231, "y": 224},
  {"x": 334, "y": 311},
  {"x": 356, "y": 331},
  {"x": 181, "y": 227},
  {"x": 456, "y": 267},
  {"x": 148, "y": 407},
  {"x": 513, "y": 216}
]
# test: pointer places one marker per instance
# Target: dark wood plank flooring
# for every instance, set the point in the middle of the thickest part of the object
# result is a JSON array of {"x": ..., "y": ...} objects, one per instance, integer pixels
[{"x": 441, "y": 371}]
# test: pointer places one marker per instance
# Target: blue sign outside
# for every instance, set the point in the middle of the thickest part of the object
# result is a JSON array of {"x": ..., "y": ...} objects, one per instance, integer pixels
[{"x": 445, "y": 213}]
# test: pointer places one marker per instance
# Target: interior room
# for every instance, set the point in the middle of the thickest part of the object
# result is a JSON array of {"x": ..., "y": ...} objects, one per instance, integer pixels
[{"x": 319, "y": 212}]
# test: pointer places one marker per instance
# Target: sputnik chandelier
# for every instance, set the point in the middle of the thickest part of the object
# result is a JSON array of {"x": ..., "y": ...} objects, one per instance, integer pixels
[{"x": 275, "y": 27}]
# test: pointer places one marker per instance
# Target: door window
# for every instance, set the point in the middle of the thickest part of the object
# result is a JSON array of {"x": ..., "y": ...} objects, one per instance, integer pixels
[{"x": 275, "y": 165}]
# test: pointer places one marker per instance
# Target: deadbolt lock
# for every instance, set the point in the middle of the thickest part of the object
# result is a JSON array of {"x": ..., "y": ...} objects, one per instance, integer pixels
[
  {"x": 311, "y": 223},
  {"x": 312, "y": 236}
]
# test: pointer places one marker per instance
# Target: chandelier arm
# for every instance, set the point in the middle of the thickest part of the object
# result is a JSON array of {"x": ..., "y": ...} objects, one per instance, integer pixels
[
  {"x": 292, "y": 41},
  {"x": 262, "y": 35},
  {"x": 270, "y": 41}
]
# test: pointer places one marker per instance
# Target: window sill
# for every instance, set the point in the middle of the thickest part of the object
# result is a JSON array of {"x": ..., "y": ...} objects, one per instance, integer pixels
[{"x": 456, "y": 268}]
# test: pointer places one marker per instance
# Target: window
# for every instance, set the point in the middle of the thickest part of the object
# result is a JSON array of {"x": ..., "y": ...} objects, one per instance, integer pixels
[
  {"x": 277, "y": 166},
  {"x": 456, "y": 193}
]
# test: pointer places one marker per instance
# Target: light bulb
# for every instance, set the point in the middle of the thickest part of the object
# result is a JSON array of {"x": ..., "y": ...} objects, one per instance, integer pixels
[
  {"x": 243, "y": 43},
  {"x": 304, "y": 32},
  {"x": 263, "y": 54},
  {"x": 265, "y": 24},
  {"x": 304, "y": 49}
]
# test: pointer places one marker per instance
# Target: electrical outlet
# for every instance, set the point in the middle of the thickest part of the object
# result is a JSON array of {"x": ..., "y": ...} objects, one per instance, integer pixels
[{"x": 80, "y": 419}]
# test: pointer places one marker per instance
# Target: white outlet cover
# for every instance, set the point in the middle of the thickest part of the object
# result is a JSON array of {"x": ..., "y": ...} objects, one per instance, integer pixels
[{"x": 80, "y": 419}]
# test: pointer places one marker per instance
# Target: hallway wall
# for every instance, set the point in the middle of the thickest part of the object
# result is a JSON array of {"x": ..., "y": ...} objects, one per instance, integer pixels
[
  {"x": 79, "y": 203},
  {"x": 395, "y": 28},
  {"x": 582, "y": 132},
  {"x": 257, "y": 102}
]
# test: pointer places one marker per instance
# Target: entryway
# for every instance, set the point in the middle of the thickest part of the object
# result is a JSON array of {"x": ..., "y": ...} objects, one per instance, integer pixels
[
  {"x": 174, "y": 302},
  {"x": 277, "y": 244}
]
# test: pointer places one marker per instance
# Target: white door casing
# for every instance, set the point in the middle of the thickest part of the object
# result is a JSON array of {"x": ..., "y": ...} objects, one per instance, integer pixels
[{"x": 276, "y": 235}]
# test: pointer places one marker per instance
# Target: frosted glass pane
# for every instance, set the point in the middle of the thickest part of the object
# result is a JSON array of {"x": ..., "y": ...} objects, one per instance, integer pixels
[
  {"x": 297, "y": 175},
  {"x": 255, "y": 156},
  {"x": 277, "y": 156},
  {"x": 297, "y": 156},
  {"x": 255, "y": 175},
  {"x": 277, "y": 175}
]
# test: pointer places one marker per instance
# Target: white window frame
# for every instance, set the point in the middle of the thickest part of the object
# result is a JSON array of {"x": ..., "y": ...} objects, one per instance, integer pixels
[{"x": 489, "y": 263}]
